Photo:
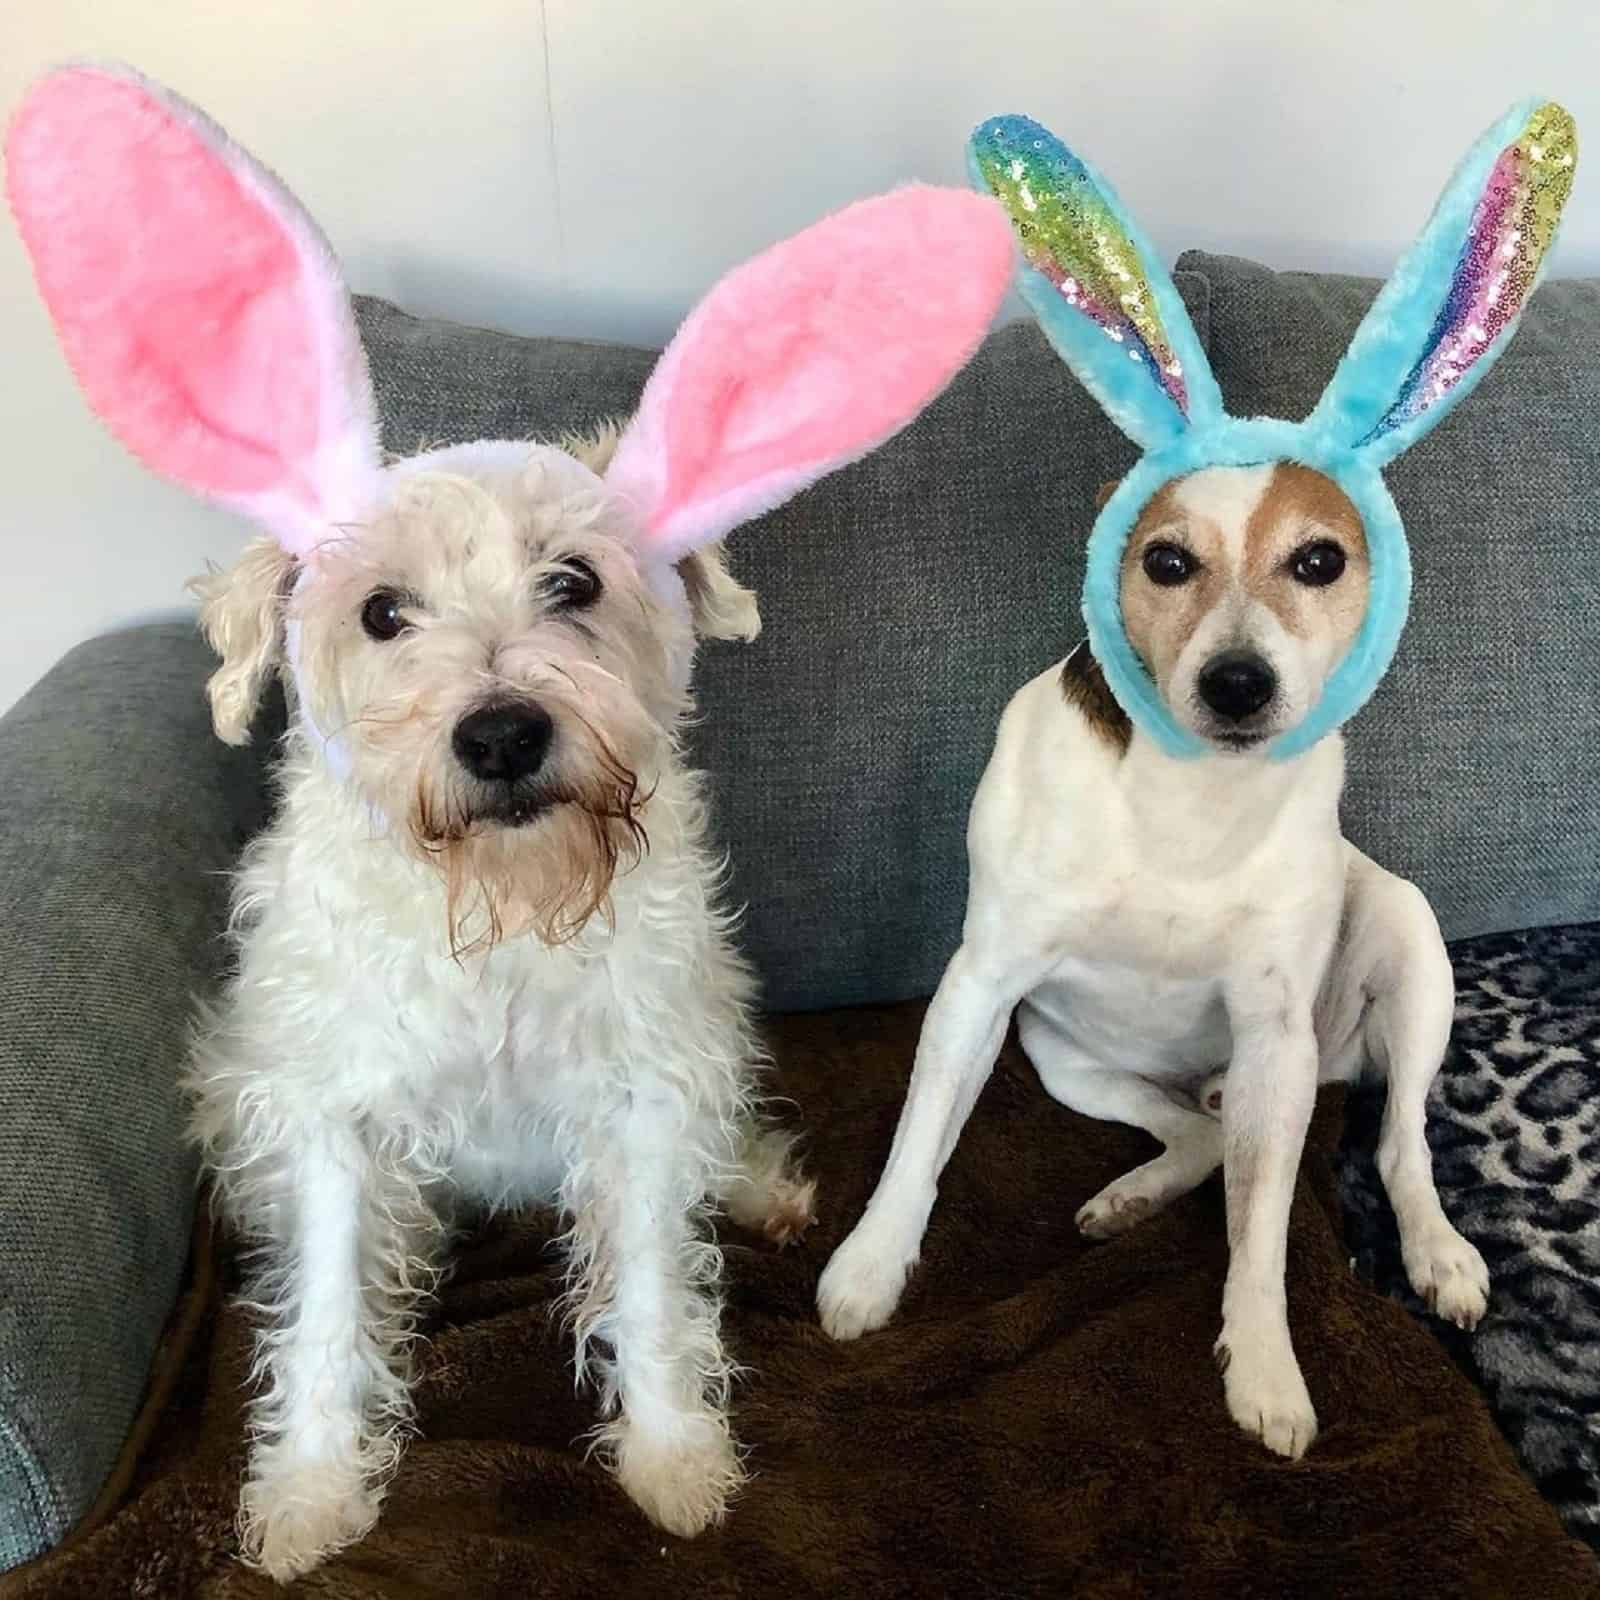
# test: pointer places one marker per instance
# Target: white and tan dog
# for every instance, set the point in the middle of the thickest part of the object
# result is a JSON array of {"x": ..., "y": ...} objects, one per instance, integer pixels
[
  {"x": 481, "y": 956},
  {"x": 1190, "y": 946}
]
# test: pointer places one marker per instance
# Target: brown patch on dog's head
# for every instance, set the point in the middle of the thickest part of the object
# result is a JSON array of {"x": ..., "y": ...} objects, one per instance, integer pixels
[
  {"x": 1299, "y": 508},
  {"x": 1085, "y": 688}
]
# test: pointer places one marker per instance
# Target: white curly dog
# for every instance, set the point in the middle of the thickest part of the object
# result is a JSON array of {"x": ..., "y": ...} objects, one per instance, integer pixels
[{"x": 481, "y": 958}]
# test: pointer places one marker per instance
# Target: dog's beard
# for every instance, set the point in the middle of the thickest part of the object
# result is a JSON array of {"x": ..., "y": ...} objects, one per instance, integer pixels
[{"x": 539, "y": 858}]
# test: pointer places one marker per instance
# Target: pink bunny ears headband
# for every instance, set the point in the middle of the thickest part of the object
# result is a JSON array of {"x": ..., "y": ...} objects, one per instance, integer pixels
[
  {"x": 1112, "y": 312},
  {"x": 207, "y": 323}
]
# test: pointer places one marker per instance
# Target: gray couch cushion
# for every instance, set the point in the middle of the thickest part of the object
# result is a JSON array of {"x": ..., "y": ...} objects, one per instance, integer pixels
[
  {"x": 118, "y": 812},
  {"x": 905, "y": 599},
  {"x": 1473, "y": 769}
]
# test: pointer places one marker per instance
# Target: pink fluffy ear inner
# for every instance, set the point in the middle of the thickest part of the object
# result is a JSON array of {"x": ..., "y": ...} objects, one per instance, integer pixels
[
  {"x": 199, "y": 308},
  {"x": 809, "y": 356}
]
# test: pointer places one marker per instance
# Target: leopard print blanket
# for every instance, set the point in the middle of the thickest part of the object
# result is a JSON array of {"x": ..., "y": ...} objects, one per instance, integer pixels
[{"x": 1514, "y": 1121}]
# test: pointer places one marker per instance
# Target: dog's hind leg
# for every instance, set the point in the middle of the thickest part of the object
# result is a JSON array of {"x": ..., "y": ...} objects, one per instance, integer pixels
[
  {"x": 1392, "y": 932},
  {"x": 767, "y": 1192},
  {"x": 1193, "y": 1140}
]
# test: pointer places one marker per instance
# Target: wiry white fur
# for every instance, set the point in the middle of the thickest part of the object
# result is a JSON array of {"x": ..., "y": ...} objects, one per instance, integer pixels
[
  {"x": 1152, "y": 921},
  {"x": 360, "y": 1084}
]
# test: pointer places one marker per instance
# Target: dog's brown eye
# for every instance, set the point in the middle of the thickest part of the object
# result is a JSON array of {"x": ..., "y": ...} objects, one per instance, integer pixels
[
  {"x": 1317, "y": 564},
  {"x": 1168, "y": 564},
  {"x": 573, "y": 585},
  {"x": 382, "y": 615}
]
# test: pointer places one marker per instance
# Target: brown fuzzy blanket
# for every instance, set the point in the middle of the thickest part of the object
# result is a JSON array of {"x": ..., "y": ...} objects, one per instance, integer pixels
[{"x": 1043, "y": 1418}]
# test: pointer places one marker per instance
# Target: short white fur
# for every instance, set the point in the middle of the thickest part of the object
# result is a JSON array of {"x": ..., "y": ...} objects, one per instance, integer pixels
[{"x": 1163, "y": 928}]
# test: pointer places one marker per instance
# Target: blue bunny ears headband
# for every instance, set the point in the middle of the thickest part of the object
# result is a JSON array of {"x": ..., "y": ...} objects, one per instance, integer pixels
[{"x": 1114, "y": 316}]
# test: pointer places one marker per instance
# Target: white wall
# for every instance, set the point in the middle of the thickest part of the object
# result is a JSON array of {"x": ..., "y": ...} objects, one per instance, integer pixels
[{"x": 588, "y": 166}]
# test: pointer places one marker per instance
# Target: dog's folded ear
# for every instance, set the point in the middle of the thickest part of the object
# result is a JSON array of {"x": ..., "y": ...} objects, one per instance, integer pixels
[
  {"x": 719, "y": 605},
  {"x": 807, "y": 357},
  {"x": 242, "y": 617},
  {"x": 198, "y": 305}
]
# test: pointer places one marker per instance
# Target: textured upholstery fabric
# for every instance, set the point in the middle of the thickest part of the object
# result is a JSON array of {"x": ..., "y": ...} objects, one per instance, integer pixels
[
  {"x": 118, "y": 810},
  {"x": 1473, "y": 769}
]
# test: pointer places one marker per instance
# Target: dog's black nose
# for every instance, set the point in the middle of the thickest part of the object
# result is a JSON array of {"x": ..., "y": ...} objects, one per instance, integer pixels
[
  {"x": 506, "y": 742},
  {"x": 1236, "y": 684}
]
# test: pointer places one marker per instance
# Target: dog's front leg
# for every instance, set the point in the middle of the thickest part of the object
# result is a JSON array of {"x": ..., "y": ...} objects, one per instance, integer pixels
[
  {"x": 327, "y": 1423},
  {"x": 1266, "y": 1109},
  {"x": 645, "y": 1275},
  {"x": 961, "y": 1036}
]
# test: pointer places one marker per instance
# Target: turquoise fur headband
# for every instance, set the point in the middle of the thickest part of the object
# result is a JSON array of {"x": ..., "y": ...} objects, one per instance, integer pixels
[{"x": 1111, "y": 311}]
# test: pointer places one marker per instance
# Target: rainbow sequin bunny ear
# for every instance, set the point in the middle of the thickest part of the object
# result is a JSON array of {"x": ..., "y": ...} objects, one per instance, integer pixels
[
  {"x": 1099, "y": 291},
  {"x": 1113, "y": 315},
  {"x": 1454, "y": 300}
]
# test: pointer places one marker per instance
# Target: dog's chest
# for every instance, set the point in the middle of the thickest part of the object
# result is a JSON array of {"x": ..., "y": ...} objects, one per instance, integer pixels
[
  {"x": 450, "y": 1045},
  {"x": 1112, "y": 1015},
  {"x": 1125, "y": 904},
  {"x": 1141, "y": 961}
]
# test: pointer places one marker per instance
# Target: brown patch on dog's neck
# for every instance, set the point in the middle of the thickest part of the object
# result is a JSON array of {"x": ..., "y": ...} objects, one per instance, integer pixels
[{"x": 1084, "y": 686}]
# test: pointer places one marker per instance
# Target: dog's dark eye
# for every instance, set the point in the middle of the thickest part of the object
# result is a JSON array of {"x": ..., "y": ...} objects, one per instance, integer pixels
[
  {"x": 1317, "y": 564},
  {"x": 383, "y": 615},
  {"x": 573, "y": 586},
  {"x": 1168, "y": 565}
]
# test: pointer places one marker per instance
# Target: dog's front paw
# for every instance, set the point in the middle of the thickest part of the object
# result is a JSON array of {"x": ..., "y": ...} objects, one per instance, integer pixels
[
  {"x": 680, "y": 1473},
  {"x": 1448, "y": 1273},
  {"x": 1267, "y": 1396},
  {"x": 861, "y": 1286},
  {"x": 295, "y": 1515}
]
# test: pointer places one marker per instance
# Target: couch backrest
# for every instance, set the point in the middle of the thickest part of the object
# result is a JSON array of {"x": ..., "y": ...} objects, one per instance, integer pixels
[{"x": 908, "y": 597}]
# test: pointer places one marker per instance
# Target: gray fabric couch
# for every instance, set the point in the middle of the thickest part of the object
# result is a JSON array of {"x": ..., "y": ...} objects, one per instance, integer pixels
[{"x": 905, "y": 600}]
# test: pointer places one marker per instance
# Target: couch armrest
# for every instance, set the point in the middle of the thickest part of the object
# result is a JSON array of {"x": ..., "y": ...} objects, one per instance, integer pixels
[{"x": 119, "y": 811}]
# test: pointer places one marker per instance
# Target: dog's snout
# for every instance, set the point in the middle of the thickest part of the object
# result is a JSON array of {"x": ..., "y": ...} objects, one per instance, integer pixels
[
  {"x": 1236, "y": 684},
  {"x": 505, "y": 742}
]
